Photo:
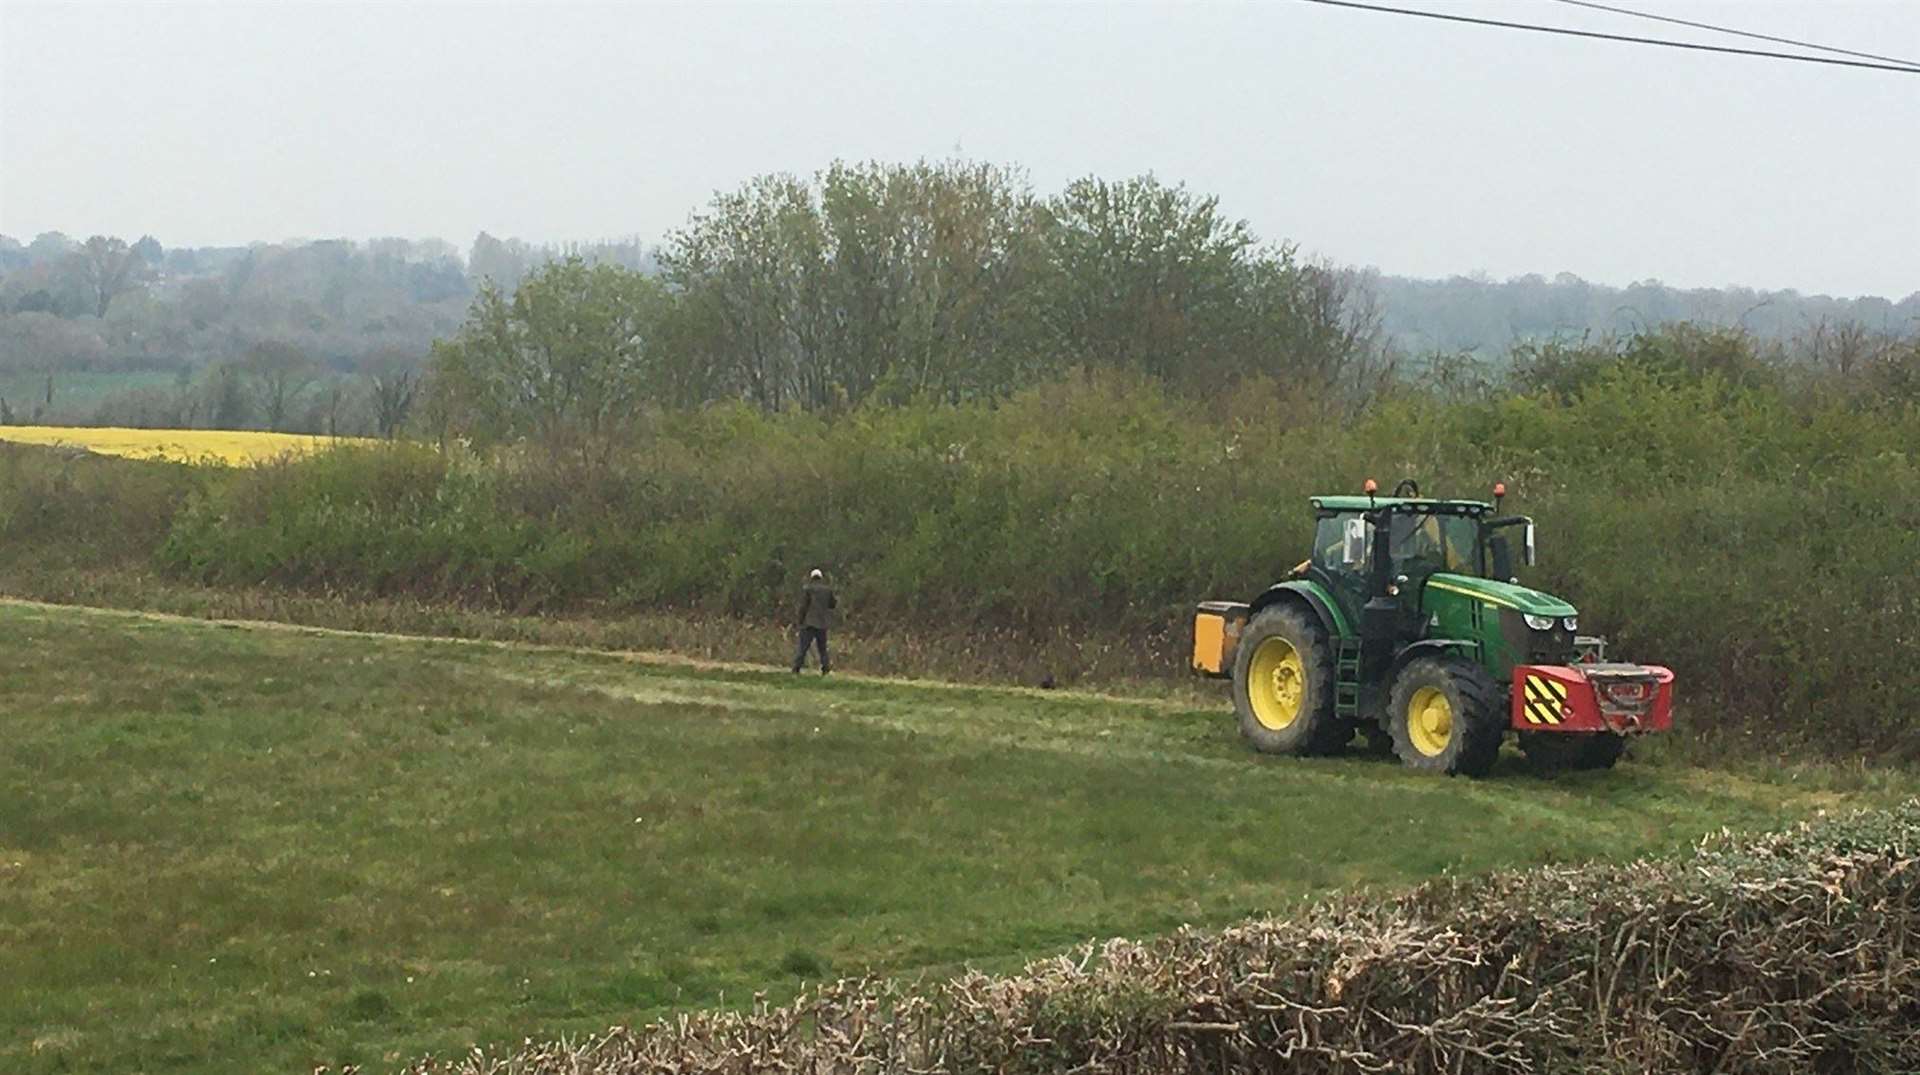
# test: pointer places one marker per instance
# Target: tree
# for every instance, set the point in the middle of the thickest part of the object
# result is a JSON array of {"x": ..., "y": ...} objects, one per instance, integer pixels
[
  {"x": 224, "y": 399},
  {"x": 39, "y": 300},
  {"x": 277, "y": 374},
  {"x": 436, "y": 280},
  {"x": 109, "y": 267},
  {"x": 928, "y": 277},
  {"x": 49, "y": 247},
  {"x": 889, "y": 279},
  {"x": 744, "y": 269},
  {"x": 1308, "y": 325},
  {"x": 393, "y": 382},
  {"x": 202, "y": 302},
  {"x": 42, "y": 341},
  {"x": 569, "y": 355},
  {"x": 1143, "y": 276},
  {"x": 503, "y": 262},
  {"x": 332, "y": 407}
]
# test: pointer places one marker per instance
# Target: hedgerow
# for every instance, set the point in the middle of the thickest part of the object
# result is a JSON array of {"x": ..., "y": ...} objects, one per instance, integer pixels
[
  {"x": 1749, "y": 528},
  {"x": 1786, "y": 953}
]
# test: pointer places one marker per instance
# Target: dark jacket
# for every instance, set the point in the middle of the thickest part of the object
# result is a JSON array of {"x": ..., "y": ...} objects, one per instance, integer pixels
[{"x": 816, "y": 605}]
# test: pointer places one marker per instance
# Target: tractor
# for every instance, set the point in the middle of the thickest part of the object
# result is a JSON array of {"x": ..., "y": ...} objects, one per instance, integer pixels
[{"x": 1407, "y": 626}]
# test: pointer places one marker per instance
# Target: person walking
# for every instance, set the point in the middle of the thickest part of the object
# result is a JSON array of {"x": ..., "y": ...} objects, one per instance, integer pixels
[{"x": 816, "y": 617}]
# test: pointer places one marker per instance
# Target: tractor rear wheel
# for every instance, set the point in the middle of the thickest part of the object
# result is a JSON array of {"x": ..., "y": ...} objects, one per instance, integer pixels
[
  {"x": 1445, "y": 716},
  {"x": 1550, "y": 751},
  {"x": 1283, "y": 686}
]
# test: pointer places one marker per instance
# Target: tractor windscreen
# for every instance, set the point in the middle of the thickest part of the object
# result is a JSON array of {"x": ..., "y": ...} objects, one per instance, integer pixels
[{"x": 1426, "y": 543}]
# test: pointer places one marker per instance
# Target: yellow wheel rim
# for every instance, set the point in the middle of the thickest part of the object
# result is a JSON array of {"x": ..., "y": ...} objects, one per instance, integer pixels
[
  {"x": 1430, "y": 721},
  {"x": 1276, "y": 684}
]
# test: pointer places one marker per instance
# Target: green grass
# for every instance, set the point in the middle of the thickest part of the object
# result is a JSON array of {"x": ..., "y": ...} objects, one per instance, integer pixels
[
  {"x": 46, "y": 572},
  {"x": 227, "y": 849},
  {"x": 76, "y": 394}
]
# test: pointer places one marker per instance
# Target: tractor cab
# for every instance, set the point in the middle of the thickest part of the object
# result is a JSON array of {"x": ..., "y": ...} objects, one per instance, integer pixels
[
  {"x": 1376, "y": 555},
  {"x": 1407, "y": 623}
]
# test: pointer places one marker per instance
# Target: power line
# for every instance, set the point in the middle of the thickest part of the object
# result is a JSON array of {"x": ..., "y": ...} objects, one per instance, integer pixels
[
  {"x": 1736, "y": 33},
  {"x": 1615, "y": 37}
]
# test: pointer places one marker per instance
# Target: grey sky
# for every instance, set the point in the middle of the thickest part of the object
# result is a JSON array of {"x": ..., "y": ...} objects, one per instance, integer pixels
[{"x": 1418, "y": 147}]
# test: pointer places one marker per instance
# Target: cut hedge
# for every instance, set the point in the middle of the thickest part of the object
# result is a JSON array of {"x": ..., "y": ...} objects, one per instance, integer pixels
[{"x": 1790, "y": 952}]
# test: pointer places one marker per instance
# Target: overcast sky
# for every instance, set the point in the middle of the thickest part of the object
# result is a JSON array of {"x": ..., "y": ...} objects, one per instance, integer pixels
[{"x": 1419, "y": 147}]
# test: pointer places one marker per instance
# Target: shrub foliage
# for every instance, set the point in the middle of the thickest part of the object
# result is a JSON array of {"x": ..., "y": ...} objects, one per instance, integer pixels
[
  {"x": 1783, "y": 953},
  {"x": 1748, "y": 525}
]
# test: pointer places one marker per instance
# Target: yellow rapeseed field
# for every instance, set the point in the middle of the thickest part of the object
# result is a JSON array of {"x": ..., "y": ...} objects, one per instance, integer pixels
[{"x": 186, "y": 445}]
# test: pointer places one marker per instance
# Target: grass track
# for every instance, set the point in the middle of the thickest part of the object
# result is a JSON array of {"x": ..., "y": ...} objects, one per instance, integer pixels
[{"x": 234, "y": 849}]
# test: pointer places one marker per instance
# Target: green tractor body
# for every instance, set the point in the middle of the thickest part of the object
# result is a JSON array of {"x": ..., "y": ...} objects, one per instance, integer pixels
[{"x": 1407, "y": 625}]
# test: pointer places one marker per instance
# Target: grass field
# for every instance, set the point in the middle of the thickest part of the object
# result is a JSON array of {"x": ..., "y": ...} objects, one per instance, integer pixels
[
  {"x": 77, "y": 393},
  {"x": 181, "y": 445},
  {"x": 242, "y": 849}
]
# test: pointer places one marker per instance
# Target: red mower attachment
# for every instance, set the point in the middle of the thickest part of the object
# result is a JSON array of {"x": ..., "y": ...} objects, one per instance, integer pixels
[{"x": 1625, "y": 699}]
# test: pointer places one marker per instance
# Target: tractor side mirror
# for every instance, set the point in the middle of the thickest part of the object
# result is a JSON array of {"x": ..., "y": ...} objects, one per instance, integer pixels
[
  {"x": 1500, "y": 553},
  {"x": 1353, "y": 547},
  {"x": 1528, "y": 551}
]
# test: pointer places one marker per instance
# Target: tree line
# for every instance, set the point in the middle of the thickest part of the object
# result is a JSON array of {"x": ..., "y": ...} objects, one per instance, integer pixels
[
  {"x": 946, "y": 281},
  {"x": 1488, "y": 317},
  {"x": 867, "y": 282},
  {"x": 307, "y": 336}
]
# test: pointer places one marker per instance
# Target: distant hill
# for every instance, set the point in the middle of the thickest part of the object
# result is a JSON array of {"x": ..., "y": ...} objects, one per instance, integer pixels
[
  {"x": 1485, "y": 316},
  {"x": 107, "y": 304},
  {"x": 60, "y": 309}
]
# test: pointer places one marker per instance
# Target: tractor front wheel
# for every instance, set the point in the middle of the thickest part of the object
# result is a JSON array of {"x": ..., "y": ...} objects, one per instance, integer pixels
[
  {"x": 1446, "y": 716},
  {"x": 1283, "y": 686},
  {"x": 1551, "y": 751}
]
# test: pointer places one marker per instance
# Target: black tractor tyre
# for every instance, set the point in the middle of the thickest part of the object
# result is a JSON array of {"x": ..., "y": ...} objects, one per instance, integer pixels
[
  {"x": 1313, "y": 729},
  {"x": 1558, "y": 751},
  {"x": 1476, "y": 721}
]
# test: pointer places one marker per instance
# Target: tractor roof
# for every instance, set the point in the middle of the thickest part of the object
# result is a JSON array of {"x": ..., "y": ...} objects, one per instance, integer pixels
[{"x": 1410, "y": 505}]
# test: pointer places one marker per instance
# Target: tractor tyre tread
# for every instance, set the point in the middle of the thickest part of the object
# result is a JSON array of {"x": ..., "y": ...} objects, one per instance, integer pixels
[
  {"x": 1480, "y": 715},
  {"x": 1316, "y": 730}
]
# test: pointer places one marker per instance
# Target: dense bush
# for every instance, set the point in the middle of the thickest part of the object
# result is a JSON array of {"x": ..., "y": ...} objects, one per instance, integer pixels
[
  {"x": 1724, "y": 518},
  {"x": 61, "y": 506},
  {"x": 1786, "y": 953}
]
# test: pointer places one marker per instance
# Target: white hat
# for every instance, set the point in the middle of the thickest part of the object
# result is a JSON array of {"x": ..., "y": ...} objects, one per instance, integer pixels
[{"x": 815, "y": 574}]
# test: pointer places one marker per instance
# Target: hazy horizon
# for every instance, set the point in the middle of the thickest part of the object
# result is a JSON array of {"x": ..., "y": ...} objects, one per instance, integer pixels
[{"x": 1417, "y": 148}]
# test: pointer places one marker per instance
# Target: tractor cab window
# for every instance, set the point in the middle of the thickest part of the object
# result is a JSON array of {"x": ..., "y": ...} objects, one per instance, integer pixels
[
  {"x": 1329, "y": 545},
  {"x": 1423, "y": 544}
]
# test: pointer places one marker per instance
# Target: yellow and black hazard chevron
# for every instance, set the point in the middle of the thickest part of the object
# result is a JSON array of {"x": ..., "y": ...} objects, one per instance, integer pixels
[{"x": 1546, "y": 700}]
